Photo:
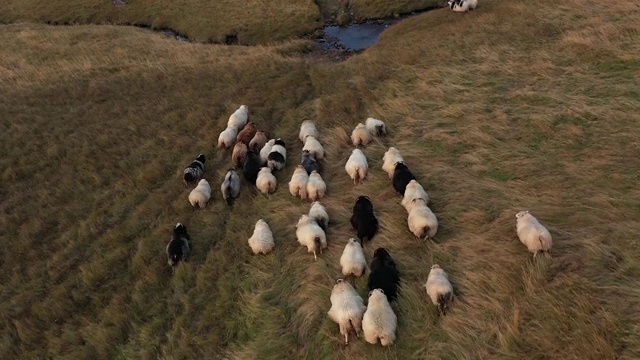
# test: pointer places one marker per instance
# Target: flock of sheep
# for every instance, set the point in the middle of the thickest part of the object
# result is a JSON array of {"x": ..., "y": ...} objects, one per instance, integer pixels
[{"x": 259, "y": 158}]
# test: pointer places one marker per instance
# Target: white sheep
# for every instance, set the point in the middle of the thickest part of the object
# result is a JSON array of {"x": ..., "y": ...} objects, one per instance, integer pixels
[
  {"x": 266, "y": 149},
  {"x": 308, "y": 128},
  {"x": 462, "y": 5},
  {"x": 227, "y": 137},
  {"x": 347, "y": 309},
  {"x": 390, "y": 158},
  {"x": 422, "y": 221},
  {"x": 357, "y": 166},
  {"x": 352, "y": 260},
  {"x": 319, "y": 213},
  {"x": 413, "y": 191},
  {"x": 314, "y": 147},
  {"x": 261, "y": 242},
  {"x": 239, "y": 118},
  {"x": 311, "y": 235},
  {"x": 360, "y": 135},
  {"x": 533, "y": 234},
  {"x": 200, "y": 195},
  {"x": 379, "y": 320},
  {"x": 266, "y": 182},
  {"x": 298, "y": 183},
  {"x": 376, "y": 127},
  {"x": 316, "y": 187},
  {"x": 439, "y": 288}
]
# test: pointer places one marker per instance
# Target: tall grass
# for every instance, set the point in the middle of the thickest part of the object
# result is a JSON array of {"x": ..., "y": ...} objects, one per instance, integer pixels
[{"x": 513, "y": 106}]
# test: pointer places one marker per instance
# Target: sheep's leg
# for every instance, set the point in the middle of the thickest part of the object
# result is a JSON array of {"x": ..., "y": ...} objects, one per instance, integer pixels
[
  {"x": 346, "y": 339},
  {"x": 314, "y": 256}
]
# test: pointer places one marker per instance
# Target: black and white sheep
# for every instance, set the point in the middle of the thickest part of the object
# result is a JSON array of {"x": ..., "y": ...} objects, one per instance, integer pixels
[
  {"x": 264, "y": 152},
  {"x": 309, "y": 162},
  {"x": 462, "y": 5},
  {"x": 363, "y": 219},
  {"x": 179, "y": 248},
  {"x": 384, "y": 274},
  {"x": 193, "y": 173},
  {"x": 230, "y": 187},
  {"x": 532, "y": 234},
  {"x": 439, "y": 288},
  {"x": 347, "y": 309},
  {"x": 278, "y": 155}
]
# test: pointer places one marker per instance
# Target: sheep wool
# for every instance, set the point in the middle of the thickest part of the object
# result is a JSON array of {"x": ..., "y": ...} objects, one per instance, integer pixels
[
  {"x": 360, "y": 136},
  {"x": 319, "y": 213},
  {"x": 298, "y": 183},
  {"x": 257, "y": 143},
  {"x": 347, "y": 309},
  {"x": 352, "y": 260},
  {"x": 389, "y": 160},
  {"x": 230, "y": 187},
  {"x": 422, "y": 221},
  {"x": 311, "y": 235},
  {"x": 532, "y": 234},
  {"x": 314, "y": 147},
  {"x": 413, "y": 191},
  {"x": 379, "y": 321},
  {"x": 308, "y": 128},
  {"x": 266, "y": 181},
  {"x": 239, "y": 154},
  {"x": 357, "y": 166},
  {"x": 376, "y": 127},
  {"x": 266, "y": 149},
  {"x": 227, "y": 137},
  {"x": 261, "y": 242},
  {"x": 439, "y": 289},
  {"x": 316, "y": 187},
  {"x": 239, "y": 118},
  {"x": 200, "y": 195}
]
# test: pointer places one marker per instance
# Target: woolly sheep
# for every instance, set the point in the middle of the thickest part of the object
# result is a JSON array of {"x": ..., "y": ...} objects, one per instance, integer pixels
[
  {"x": 309, "y": 162},
  {"x": 199, "y": 196},
  {"x": 239, "y": 154},
  {"x": 308, "y": 128},
  {"x": 261, "y": 241},
  {"x": 376, "y": 127},
  {"x": 266, "y": 182},
  {"x": 379, "y": 320},
  {"x": 319, "y": 213},
  {"x": 347, "y": 309},
  {"x": 247, "y": 133},
  {"x": 298, "y": 183},
  {"x": 178, "y": 249},
  {"x": 194, "y": 171},
  {"x": 384, "y": 274},
  {"x": 230, "y": 187},
  {"x": 363, "y": 219},
  {"x": 352, "y": 260},
  {"x": 278, "y": 155},
  {"x": 239, "y": 118},
  {"x": 360, "y": 135},
  {"x": 251, "y": 167},
  {"x": 401, "y": 177},
  {"x": 439, "y": 288},
  {"x": 311, "y": 235},
  {"x": 316, "y": 188},
  {"x": 462, "y": 5},
  {"x": 413, "y": 191},
  {"x": 390, "y": 158},
  {"x": 357, "y": 166},
  {"x": 266, "y": 149},
  {"x": 532, "y": 234},
  {"x": 227, "y": 137},
  {"x": 314, "y": 147},
  {"x": 421, "y": 220},
  {"x": 257, "y": 143}
]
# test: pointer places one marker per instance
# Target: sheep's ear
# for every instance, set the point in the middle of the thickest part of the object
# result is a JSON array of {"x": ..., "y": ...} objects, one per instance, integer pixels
[
  {"x": 370, "y": 293},
  {"x": 339, "y": 281},
  {"x": 382, "y": 291}
]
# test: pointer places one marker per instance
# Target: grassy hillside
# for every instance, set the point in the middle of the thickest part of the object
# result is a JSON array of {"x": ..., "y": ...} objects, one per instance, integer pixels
[{"x": 514, "y": 106}]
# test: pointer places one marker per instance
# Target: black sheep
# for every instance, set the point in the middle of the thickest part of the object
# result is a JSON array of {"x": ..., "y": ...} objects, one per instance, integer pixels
[
  {"x": 363, "y": 220},
  {"x": 401, "y": 177},
  {"x": 384, "y": 274},
  {"x": 251, "y": 167},
  {"x": 309, "y": 162},
  {"x": 179, "y": 248}
]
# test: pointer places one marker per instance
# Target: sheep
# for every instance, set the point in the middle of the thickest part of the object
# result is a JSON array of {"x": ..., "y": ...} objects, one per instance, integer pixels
[
  {"x": 319, "y": 213},
  {"x": 251, "y": 167},
  {"x": 352, "y": 260},
  {"x": 421, "y": 220},
  {"x": 230, "y": 187},
  {"x": 532, "y": 234},
  {"x": 247, "y": 133},
  {"x": 401, "y": 177},
  {"x": 316, "y": 188},
  {"x": 376, "y": 127},
  {"x": 227, "y": 137},
  {"x": 439, "y": 289},
  {"x": 266, "y": 182},
  {"x": 379, "y": 320},
  {"x": 261, "y": 241},
  {"x": 278, "y": 155},
  {"x": 308, "y": 128},
  {"x": 194, "y": 171},
  {"x": 360, "y": 135},
  {"x": 413, "y": 191},
  {"x": 179, "y": 248},
  {"x": 384, "y": 274},
  {"x": 390, "y": 158},
  {"x": 199, "y": 196},
  {"x": 357, "y": 166},
  {"x": 259, "y": 140},
  {"x": 298, "y": 183},
  {"x": 363, "y": 219},
  {"x": 239, "y": 154},
  {"x": 239, "y": 118},
  {"x": 266, "y": 149},
  {"x": 311, "y": 235},
  {"x": 347, "y": 309},
  {"x": 314, "y": 147},
  {"x": 462, "y": 5},
  {"x": 309, "y": 162}
]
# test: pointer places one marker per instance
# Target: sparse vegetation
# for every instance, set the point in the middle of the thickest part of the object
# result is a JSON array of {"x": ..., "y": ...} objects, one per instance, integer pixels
[{"x": 517, "y": 105}]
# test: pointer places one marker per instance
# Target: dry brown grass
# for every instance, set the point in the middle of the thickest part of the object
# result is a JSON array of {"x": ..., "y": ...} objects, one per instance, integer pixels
[{"x": 513, "y": 106}]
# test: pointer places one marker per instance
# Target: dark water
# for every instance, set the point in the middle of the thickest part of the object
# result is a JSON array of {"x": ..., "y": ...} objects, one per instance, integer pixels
[{"x": 353, "y": 37}]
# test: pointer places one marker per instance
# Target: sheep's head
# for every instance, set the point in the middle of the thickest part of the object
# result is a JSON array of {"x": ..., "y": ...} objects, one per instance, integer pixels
[
  {"x": 279, "y": 141},
  {"x": 435, "y": 266},
  {"x": 521, "y": 214},
  {"x": 201, "y": 158},
  {"x": 203, "y": 181},
  {"x": 381, "y": 253},
  {"x": 265, "y": 169},
  {"x": 376, "y": 293},
  {"x": 304, "y": 220}
]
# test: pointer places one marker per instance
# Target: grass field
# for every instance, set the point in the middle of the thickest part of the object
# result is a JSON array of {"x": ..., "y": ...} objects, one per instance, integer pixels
[{"x": 529, "y": 105}]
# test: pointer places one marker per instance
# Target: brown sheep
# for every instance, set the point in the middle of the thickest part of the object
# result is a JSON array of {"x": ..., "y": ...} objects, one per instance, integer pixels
[
  {"x": 247, "y": 133},
  {"x": 258, "y": 141},
  {"x": 239, "y": 154}
]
